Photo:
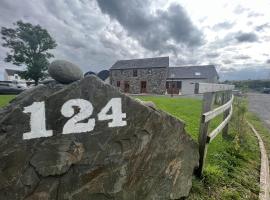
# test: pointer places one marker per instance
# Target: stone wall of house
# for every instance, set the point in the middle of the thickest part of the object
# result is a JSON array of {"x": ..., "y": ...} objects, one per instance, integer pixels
[{"x": 155, "y": 78}]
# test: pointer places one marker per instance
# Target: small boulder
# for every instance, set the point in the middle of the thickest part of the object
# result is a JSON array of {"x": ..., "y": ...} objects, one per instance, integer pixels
[
  {"x": 150, "y": 104},
  {"x": 64, "y": 71}
]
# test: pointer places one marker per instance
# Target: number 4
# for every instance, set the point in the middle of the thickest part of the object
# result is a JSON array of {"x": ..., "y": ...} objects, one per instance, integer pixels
[{"x": 117, "y": 116}]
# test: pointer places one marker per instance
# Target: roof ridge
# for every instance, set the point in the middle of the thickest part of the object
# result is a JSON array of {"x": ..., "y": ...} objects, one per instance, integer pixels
[
  {"x": 212, "y": 65},
  {"x": 154, "y": 62},
  {"x": 143, "y": 58}
]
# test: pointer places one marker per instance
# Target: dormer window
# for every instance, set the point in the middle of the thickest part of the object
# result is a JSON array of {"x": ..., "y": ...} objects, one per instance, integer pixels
[
  {"x": 197, "y": 73},
  {"x": 135, "y": 72}
]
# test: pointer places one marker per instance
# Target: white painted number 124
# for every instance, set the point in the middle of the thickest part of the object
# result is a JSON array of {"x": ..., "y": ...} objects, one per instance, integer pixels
[{"x": 74, "y": 124}]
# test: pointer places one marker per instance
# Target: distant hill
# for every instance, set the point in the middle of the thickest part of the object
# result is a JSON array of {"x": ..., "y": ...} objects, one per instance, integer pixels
[{"x": 252, "y": 73}]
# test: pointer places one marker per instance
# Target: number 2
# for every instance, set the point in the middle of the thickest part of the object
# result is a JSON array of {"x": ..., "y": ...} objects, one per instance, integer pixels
[{"x": 73, "y": 125}]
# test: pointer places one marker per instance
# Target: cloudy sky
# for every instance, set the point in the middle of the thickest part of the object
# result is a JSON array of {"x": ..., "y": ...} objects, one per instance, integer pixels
[{"x": 96, "y": 33}]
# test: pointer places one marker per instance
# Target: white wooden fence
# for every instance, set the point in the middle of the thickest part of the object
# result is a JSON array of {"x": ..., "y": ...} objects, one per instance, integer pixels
[{"x": 209, "y": 90}]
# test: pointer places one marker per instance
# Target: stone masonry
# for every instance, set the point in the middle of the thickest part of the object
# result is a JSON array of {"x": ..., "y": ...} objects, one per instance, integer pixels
[{"x": 155, "y": 79}]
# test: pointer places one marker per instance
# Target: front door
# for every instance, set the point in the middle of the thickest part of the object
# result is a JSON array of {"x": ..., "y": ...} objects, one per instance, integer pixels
[
  {"x": 173, "y": 87},
  {"x": 126, "y": 86},
  {"x": 143, "y": 87}
]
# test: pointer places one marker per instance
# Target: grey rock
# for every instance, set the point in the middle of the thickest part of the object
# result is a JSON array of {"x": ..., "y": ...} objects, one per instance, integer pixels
[
  {"x": 150, "y": 104},
  {"x": 46, "y": 190},
  {"x": 65, "y": 72},
  {"x": 150, "y": 158},
  {"x": 56, "y": 157},
  {"x": 30, "y": 178}
]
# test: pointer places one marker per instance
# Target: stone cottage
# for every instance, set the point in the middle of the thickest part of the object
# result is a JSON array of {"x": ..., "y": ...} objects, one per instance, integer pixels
[
  {"x": 154, "y": 76},
  {"x": 180, "y": 80},
  {"x": 136, "y": 76}
]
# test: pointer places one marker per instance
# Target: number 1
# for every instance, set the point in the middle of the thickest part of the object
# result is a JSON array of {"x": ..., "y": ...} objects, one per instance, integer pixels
[{"x": 37, "y": 121}]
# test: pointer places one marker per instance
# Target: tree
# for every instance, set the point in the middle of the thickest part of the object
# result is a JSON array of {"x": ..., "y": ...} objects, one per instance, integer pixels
[{"x": 29, "y": 45}]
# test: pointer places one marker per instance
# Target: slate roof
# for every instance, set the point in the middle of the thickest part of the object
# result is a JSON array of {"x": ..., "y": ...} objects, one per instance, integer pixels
[
  {"x": 11, "y": 72},
  {"x": 89, "y": 73},
  {"x": 192, "y": 72},
  {"x": 104, "y": 74},
  {"x": 157, "y": 62}
]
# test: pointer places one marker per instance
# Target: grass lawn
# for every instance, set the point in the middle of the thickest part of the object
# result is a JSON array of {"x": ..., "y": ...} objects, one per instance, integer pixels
[
  {"x": 4, "y": 99},
  {"x": 232, "y": 169},
  {"x": 262, "y": 130}
]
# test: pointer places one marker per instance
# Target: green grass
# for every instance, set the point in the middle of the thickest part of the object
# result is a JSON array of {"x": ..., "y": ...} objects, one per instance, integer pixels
[
  {"x": 4, "y": 99},
  {"x": 188, "y": 110},
  {"x": 231, "y": 170},
  {"x": 262, "y": 130}
]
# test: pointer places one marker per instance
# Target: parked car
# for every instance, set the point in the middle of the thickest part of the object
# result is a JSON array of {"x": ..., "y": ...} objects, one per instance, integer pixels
[
  {"x": 10, "y": 88},
  {"x": 237, "y": 92},
  {"x": 266, "y": 90}
]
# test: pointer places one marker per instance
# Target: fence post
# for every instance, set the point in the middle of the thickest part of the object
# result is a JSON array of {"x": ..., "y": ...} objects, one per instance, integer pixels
[
  {"x": 227, "y": 96},
  {"x": 206, "y": 106}
]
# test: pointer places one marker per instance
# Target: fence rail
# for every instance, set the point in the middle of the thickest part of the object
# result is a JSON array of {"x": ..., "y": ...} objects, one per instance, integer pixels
[
  {"x": 201, "y": 88},
  {"x": 217, "y": 130},
  {"x": 209, "y": 91},
  {"x": 217, "y": 111}
]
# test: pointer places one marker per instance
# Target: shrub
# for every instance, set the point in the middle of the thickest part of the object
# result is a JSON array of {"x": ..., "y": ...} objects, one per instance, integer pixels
[{"x": 213, "y": 175}]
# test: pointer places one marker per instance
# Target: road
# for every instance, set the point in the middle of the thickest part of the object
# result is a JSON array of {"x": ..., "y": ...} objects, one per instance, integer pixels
[{"x": 260, "y": 105}]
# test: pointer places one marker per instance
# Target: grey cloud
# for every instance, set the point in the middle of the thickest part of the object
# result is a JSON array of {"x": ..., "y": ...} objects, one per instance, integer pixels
[
  {"x": 96, "y": 33},
  {"x": 241, "y": 57},
  {"x": 227, "y": 61},
  {"x": 162, "y": 31},
  {"x": 224, "y": 69},
  {"x": 254, "y": 14},
  {"x": 240, "y": 9},
  {"x": 232, "y": 39},
  {"x": 262, "y": 27},
  {"x": 76, "y": 27},
  {"x": 212, "y": 55},
  {"x": 246, "y": 37},
  {"x": 268, "y": 61},
  {"x": 223, "y": 25}
]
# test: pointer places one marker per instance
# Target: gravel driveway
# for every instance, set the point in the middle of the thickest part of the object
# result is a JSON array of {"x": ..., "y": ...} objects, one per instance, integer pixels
[{"x": 260, "y": 105}]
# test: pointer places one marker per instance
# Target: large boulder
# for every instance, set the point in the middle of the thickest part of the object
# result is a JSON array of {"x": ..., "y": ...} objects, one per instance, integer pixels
[
  {"x": 141, "y": 154},
  {"x": 65, "y": 72}
]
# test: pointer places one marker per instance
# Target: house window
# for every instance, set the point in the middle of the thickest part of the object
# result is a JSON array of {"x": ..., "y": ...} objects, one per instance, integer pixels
[
  {"x": 118, "y": 83},
  {"x": 143, "y": 86},
  {"x": 16, "y": 76},
  {"x": 149, "y": 71},
  {"x": 179, "y": 84},
  {"x": 126, "y": 86},
  {"x": 167, "y": 85},
  {"x": 135, "y": 72}
]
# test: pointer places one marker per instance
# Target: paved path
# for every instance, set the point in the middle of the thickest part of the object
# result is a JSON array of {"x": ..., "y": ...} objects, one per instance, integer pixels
[{"x": 260, "y": 105}]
